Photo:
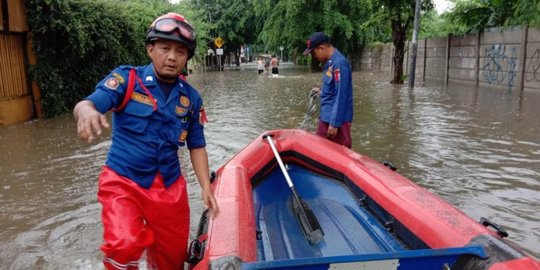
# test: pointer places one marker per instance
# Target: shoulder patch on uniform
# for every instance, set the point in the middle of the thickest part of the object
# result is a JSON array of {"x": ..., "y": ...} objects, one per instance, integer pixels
[
  {"x": 202, "y": 116},
  {"x": 337, "y": 75},
  {"x": 112, "y": 83},
  {"x": 121, "y": 79},
  {"x": 329, "y": 71}
]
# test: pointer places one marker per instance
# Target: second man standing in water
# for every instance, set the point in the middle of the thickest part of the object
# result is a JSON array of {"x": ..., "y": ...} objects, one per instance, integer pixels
[{"x": 336, "y": 111}]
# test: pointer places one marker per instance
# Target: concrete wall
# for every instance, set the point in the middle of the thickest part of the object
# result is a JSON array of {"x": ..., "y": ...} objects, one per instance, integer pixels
[
  {"x": 376, "y": 59},
  {"x": 531, "y": 80},
  {"x": 497, "y": 58}
]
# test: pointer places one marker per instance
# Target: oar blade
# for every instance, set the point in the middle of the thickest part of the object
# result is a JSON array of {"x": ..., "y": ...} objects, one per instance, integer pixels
[{"x": 307, "y": 220}]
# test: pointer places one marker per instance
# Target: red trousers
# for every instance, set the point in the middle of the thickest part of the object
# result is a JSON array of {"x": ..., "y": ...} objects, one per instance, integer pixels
[
  {"x": 136, "y": 220},
  {"x": 342, "y": 137}
]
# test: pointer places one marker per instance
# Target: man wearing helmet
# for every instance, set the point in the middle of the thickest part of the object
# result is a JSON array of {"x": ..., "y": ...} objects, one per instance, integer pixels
[{"x": 141, "y": 187}]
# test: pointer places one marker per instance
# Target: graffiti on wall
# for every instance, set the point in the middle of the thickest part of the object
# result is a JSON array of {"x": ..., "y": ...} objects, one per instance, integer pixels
[
  {"x": 500, "y": 67},
  {"x": 532, "y": 68},
  {"x": 498, "y": 63}
]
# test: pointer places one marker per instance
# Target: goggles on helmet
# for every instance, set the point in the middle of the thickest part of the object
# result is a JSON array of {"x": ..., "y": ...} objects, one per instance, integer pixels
[{"x": 168, "y": 26}]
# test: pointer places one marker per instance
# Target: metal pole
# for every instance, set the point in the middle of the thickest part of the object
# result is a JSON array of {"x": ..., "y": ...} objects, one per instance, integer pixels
[{"x": 412, "y": 70}]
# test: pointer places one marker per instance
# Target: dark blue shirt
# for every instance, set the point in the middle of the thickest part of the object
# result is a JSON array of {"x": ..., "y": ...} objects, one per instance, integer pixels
[
  {"x": 148, "y": 131},
  {"x": 336, "y": 91}
]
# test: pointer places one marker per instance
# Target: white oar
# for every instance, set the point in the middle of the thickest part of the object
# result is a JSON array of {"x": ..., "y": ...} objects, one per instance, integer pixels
[{"x": 304, "y": 215}]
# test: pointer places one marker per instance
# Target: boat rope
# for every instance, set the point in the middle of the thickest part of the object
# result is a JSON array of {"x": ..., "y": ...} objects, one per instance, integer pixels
[{"x": 311, "y": 107}]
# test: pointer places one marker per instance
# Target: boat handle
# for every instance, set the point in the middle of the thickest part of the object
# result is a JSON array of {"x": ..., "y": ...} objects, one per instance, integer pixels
[
  {"x": 196, "y": 247},
  {"x": 389, "y": 165},
  {"x": 500, "y": 231},
  {"x": 196, "y": 250},
  {"x": 213, "y": 176}
]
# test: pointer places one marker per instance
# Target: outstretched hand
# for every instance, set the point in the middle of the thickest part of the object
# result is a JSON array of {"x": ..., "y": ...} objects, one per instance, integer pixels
[{"x": 89, "y": 121}]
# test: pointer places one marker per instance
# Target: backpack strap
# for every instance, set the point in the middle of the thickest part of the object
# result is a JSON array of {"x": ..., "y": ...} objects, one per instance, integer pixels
[{"x": 129, "y": 91}]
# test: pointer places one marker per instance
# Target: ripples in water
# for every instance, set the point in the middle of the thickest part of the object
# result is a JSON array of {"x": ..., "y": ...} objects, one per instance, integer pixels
[{"x": 477, "y": 149}]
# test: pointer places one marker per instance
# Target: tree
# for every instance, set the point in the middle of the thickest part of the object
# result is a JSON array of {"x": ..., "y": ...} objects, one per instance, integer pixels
[
  {"x": 526, "y": 12},
  {"x": 290, "y": 23},
  {"x": 400, "y": 15},
  {"x": 476, "y": 15},
  {"x": 230, "y": 20},
  {"x": 77, "y": 42}
]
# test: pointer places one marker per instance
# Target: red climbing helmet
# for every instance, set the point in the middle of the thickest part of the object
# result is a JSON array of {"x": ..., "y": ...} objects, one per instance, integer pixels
[{"x": 173, "y": 26}]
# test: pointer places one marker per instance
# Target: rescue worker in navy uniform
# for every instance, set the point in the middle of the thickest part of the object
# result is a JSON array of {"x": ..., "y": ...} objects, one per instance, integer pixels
[
  {"x": 141, "y": 188},
  {"x": 336, "y": 94}
]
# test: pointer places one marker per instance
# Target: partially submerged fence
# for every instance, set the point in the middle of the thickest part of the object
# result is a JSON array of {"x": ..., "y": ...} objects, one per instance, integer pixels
[{"x": 498, "y": 58}]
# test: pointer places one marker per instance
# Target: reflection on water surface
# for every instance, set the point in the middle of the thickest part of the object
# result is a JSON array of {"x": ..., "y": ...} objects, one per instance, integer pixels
[{"x": 479, "y": 149}]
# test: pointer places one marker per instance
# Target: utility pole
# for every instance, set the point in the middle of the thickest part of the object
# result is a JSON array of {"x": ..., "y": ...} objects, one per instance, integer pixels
[{"x": 412, "y": 69}]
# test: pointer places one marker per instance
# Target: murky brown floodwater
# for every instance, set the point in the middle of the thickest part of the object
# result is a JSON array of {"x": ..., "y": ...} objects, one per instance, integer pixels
[{"x": 477, "y": 148}]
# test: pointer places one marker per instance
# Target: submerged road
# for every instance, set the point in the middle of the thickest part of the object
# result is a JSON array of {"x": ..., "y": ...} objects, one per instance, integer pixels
[{"x": 479, "y": 149}]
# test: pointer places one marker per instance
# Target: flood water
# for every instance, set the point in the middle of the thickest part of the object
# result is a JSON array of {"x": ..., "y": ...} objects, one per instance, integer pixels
[{"x": 479, "y": 149}]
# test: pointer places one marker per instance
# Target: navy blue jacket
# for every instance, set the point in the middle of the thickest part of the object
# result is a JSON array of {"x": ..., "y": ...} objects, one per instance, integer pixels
[
  {"x": 148, "y": 131},
  {"x": 336, "y": 91}
]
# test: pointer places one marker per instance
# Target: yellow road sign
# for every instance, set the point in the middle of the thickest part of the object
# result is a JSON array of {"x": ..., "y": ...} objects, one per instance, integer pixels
[{"x": 219, "y": 42}]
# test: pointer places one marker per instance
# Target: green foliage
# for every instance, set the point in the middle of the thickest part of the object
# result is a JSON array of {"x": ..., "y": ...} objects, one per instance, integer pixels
[
  {"x": 377, "y": 28},
  {"x": 479, "y": 14},
  {"x": 304, "y": 60},
  {"x": 77, "y": 42},
  {"x": 228, "y": 19},
  {"x": 526, "y": 12},
  {"x": 469, "y": 16},
  {"x": 399, "y": 15},
  {"x": 375, "y": 45},
  {"x": 433, "y": 25},
  {"x": 290, "y": 23}
]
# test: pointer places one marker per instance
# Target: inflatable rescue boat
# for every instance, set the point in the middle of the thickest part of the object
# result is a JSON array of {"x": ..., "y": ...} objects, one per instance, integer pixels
[{"x": 293, "y": 200}]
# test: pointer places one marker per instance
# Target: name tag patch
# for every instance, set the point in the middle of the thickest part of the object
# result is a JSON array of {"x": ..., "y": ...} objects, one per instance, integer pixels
[{"x": 142, "y": 98}]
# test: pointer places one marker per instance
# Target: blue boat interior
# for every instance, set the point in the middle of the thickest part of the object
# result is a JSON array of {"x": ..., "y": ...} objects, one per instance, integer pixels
[
  {"x": 354, "y": 228},
  {"x": 349, "y": 228}
]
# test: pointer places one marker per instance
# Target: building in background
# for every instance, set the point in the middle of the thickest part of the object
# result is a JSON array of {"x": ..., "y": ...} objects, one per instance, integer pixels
[{"x": 19, "y": 97}]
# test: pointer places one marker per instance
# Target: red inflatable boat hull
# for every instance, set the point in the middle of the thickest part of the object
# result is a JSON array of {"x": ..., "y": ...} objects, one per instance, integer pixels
[{"x": 431, "y": 219}]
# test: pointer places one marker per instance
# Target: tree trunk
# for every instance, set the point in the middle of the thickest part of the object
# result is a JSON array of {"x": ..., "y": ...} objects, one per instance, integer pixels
[
  {"x": 398, "y": 65},
  {"x": 237, "y": 58},
  {"x": 398, "y": 39}
]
